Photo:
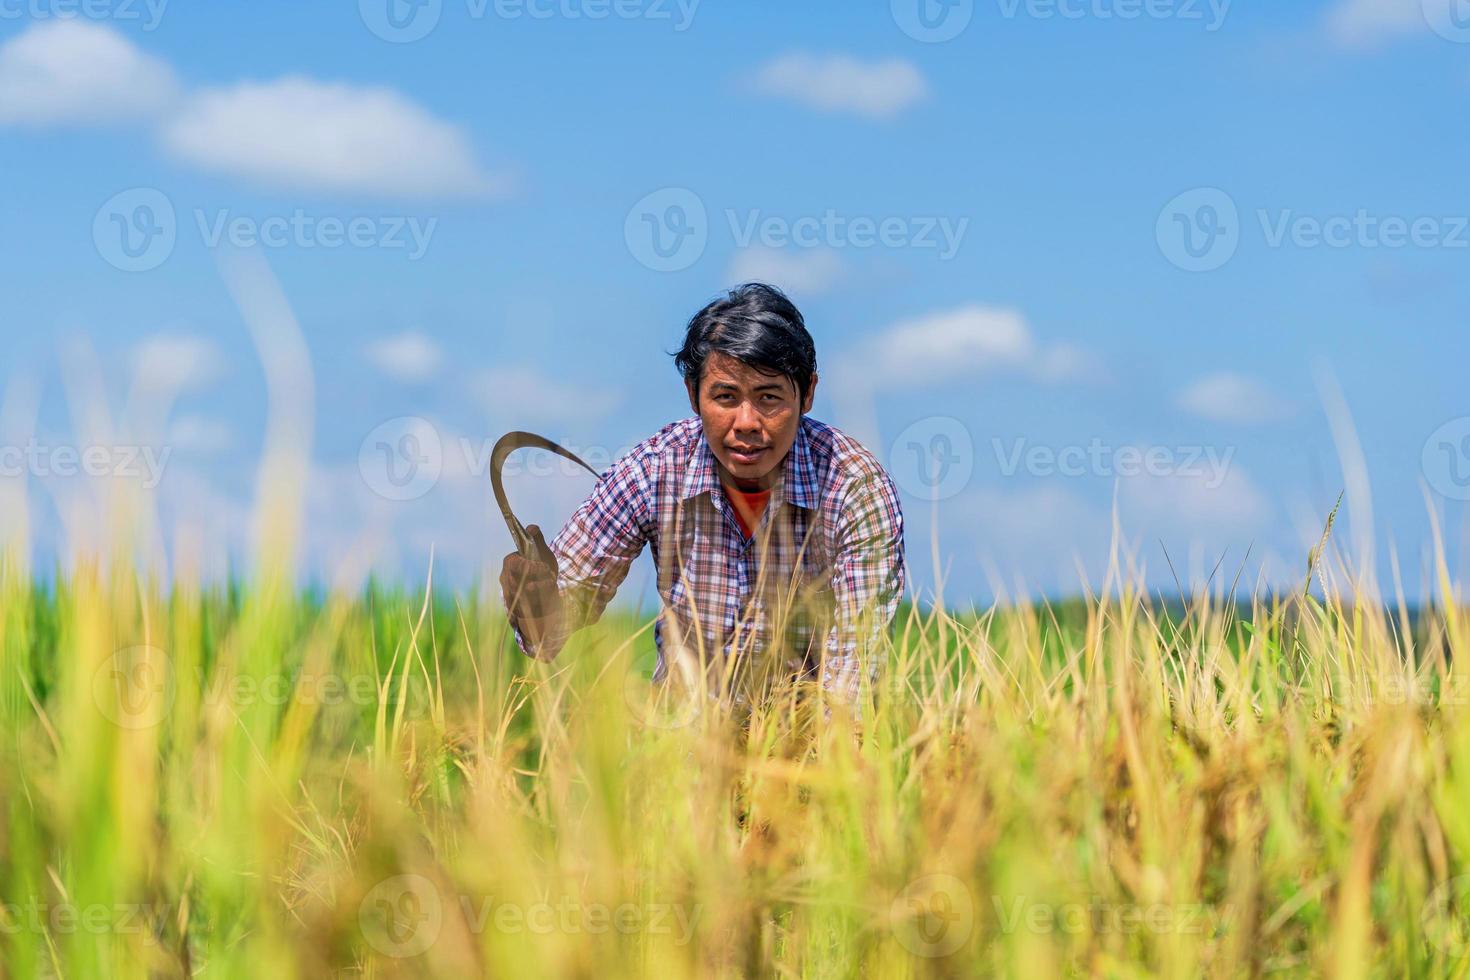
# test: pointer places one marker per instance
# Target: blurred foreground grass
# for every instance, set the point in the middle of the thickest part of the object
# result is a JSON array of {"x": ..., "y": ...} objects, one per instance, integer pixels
[{"x": 258, "y": 782}]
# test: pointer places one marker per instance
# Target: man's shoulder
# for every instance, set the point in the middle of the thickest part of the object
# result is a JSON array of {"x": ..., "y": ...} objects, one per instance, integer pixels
[
  {"x": 840, "y": 459},
  {"x": 669, "y": 446},
  {"x": 676, "y": 438}
]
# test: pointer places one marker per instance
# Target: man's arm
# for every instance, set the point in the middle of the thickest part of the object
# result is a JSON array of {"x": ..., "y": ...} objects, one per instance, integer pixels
[
  {"x": 867, "y": 583},
  {"x": 594, "y": 551}
]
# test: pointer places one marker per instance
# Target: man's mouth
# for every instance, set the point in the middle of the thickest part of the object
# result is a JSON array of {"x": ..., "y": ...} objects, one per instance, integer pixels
[{"x": 747, "y": 455}]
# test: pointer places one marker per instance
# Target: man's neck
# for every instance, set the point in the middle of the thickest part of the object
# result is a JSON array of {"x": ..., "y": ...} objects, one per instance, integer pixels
[{"x": 731, "y": 481}]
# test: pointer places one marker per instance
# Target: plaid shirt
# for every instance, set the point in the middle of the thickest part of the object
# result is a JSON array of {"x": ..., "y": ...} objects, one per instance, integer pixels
[{"x": 826, "y": 559}]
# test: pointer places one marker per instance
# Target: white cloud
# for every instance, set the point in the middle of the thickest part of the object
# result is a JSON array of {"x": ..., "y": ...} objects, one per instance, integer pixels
[
  {"x": 1364, "y": 23},
  {"x": 953, "y": 342},
  {"x": 172, "y": 362},
  {"x": 839, "y": 83},
  {"x": 963, "y": 341},
  {"x": 1200, "y": 501},
  {"x": 515, "y": 397},
  {"x": 299, "y": 132},
  {"x": 409, "y": 357},
  {"x": 1227, "y": 397},
  {"x": 800, "y": 271},
  {"x": 199, "y": 434},
  {"x": 75, "y": 71},
  {"x": 1066, "y": 362}
]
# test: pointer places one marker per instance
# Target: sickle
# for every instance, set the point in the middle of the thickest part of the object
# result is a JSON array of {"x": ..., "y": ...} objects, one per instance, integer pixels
[{"x": 527, "y": 546}]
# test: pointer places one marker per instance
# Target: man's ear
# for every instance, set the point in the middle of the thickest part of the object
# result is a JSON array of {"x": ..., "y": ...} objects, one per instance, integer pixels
[
  {"x": 811, "y": 393},
  {"x": 693, "y": 396}
]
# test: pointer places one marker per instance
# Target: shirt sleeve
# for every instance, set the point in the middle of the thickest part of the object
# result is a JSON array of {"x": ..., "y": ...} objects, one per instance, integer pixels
[
  {"x": 597, "y": 546},
  {"x": 867, "y": 584}
]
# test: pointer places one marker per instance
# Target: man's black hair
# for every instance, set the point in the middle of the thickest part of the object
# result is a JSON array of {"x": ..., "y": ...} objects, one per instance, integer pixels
[{"x": 754, "y": 323}]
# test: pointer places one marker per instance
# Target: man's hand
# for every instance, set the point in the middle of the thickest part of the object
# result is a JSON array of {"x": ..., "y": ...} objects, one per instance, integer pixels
[{"x": 531, "y": 597}]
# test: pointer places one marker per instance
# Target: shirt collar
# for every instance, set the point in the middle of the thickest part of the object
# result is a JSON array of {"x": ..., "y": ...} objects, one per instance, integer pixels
[{"x": 797, "y": 485}]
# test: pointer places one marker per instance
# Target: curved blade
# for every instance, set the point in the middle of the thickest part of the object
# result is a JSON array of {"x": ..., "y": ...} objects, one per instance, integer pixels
[{"x": 506, "y": 445}]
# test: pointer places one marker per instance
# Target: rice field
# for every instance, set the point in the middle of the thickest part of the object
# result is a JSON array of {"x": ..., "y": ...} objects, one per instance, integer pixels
[{"x": 259, "y": 781}]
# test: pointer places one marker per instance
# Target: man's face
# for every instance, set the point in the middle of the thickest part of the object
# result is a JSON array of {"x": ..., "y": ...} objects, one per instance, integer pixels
[{"x": 750, "y": 418}]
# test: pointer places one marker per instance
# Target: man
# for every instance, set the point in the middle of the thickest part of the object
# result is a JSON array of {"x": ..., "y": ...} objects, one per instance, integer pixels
[{"x": 778, "y": 539}]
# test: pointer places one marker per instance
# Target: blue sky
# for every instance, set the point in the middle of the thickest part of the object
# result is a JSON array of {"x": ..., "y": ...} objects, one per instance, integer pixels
[{"x": 984, "y": 222}]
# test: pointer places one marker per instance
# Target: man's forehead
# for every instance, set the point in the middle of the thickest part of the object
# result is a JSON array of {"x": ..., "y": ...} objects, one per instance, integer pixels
[{"x": 724, "y": 369}]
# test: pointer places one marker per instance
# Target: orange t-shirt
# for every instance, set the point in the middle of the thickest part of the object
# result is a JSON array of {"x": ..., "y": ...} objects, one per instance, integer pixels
[{"x": 753, "y": 502}]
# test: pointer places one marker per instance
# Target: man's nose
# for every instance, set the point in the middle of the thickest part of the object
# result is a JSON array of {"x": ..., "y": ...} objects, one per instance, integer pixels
[{"x": 746, "y": 417}]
